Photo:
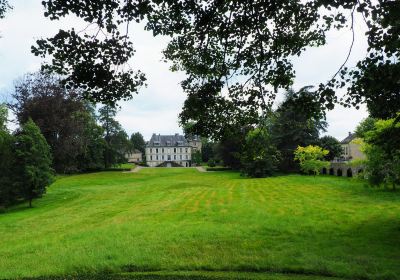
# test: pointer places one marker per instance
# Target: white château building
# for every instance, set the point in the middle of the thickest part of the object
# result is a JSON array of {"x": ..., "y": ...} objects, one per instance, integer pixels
[{"x": 170, "y": 150}]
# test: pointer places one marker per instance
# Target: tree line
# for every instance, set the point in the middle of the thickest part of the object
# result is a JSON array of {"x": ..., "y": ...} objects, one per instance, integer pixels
[
  {"x": 66, "y": 132},
  {"x": 268, "y": 148}
]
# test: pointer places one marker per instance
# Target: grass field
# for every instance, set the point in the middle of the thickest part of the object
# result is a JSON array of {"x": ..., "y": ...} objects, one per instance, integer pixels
[{"x": 183, "y": 224}]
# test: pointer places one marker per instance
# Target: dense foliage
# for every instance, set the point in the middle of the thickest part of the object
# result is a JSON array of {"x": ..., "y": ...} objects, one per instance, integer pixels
[
  {"x": 294, "y": 124},
  {"x": 4, "y": 6},
  {"x": 364, "y": 126},
  {"x": 69, "y": 124},
  {"x": 117, "y": 142},
  {"x": 33, "y": 172},
  {"x": 138, "y": 142},
  {"x": 236, "y": 54},
  {"x": 25, "y": 165},
  {"x": 260, "y": 157},
  {"x": 311, "y": 159},
  {"x": 383, "y": 153},
  {"x": 7, "y": 191},
  {"x": 332, "y": 145}
]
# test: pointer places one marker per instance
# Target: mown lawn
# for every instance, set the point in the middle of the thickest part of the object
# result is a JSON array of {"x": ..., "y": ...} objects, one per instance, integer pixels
[{"x": 183, "y": 224}]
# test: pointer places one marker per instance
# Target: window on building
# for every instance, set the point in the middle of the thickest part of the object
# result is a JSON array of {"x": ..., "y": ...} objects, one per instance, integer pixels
[
  {"x": 162, "y": 157},
  {"x": 157, "y": 157},
  {"x": 186, "y": 150},
  {"x": 186, "y": 156},
  {"x": 181, "y": 156},
  {"x": 174, "y": 150},
  {"x": 174, "y": 156},
  {"x": 151, "y": 157},
  {"x": 151, "y": 150},
  {"x": 180, "y": 150},
  {"x": 162, "y": 150},
  {"x": 156, "y": 151}
]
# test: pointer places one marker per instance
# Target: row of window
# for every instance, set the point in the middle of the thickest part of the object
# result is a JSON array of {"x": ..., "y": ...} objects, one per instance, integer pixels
[
  {"x": 168, "y": 157},
  {"x": 162, "y": 150}
]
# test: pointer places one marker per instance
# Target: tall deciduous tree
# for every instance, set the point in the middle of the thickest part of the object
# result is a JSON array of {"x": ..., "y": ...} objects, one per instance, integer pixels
[
  {"x": 117, "y": 142},
  {"x": 3, "y": 117},
  {"x": 297, "y": 125},
  {"x": 32, "y": 161},
  {"x": 332, "y": 145},
  {"x": 62, "y": 116},
  {"x": 383, "y": 153},
  {"x": 4, "y": 6},
  {"x": 7, "y": 179},
  {"x": 260, "y": 157},
  {"x": 364, "y": 126},
  {"x": 236, "y": 54},
  {"x": 138, "y": 142}
]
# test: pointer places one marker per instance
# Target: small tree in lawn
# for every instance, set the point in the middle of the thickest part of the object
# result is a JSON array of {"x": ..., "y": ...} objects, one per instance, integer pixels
[
  {"x": 311, "y": 159},
  {"x": 33, "y": 162}
]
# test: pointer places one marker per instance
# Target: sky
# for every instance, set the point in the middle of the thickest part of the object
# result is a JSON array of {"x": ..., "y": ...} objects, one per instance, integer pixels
[{"x": 155, "y": 109}]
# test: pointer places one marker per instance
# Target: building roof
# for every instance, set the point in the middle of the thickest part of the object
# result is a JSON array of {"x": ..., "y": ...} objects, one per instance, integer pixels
[
  {"x": 349, "y": 138},
  {"x": 167, "y": 141}
]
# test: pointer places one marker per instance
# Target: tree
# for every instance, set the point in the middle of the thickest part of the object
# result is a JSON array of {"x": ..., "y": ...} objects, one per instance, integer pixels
[
  {"x": 4, "y": 6},
  {"x": 230, "y": 147},
  {"x": 207, "y": 150},
  {"x": 332, "y": 145},
  {"x": 383, "y": 153},
  {"x": 294, "y": 124},
  {"x": 197, "y": 158},
  {"x": 93, "y": 143},
  {"x": 61, "y": 115},
  {"x": 260, "y": 157},
  {"x": 138, "y": 142},
  {"x": 364, "y": 126},
  {"x": 311, "y": 159},
  {"x": 236, "y": 54},
  {"x": 32, "y": 161},
  {"x": 3, "y": 117},
  {"x": 8, "y": 193},
  {"x": 117, "y": 142},
  {"x": 7, "y": 190}
]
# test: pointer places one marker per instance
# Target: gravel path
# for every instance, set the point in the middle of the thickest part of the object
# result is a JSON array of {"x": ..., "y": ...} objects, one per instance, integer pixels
[{"x": 201, "y": 168}]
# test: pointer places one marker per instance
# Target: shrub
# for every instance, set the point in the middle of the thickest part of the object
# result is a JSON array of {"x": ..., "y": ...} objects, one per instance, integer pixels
[
  {"x": 311, "y": 159},
  {"x": 211, "y": 163}
]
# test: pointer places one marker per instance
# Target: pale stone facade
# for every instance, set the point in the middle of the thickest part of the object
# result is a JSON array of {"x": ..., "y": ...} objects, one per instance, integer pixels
[
  {"x": 342, "y": 166},
  {"x": 168, "y": 151},
  {"x": 351, "y": 150},
  {"x": 195, "y": 143},
  {"x": 134, "y": 156}
]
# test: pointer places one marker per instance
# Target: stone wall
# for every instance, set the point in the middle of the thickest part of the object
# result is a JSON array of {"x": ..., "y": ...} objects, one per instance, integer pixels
[{"x": 342, "y": 169}]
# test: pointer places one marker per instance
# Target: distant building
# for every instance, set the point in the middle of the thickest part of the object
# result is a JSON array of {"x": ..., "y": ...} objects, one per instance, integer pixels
[
  {"x": 342, "y": 165},
  {"x": 195, "y": 143},
  {"x": 169, "y": 151},
  {"x": 134, "y": 156},
  {"x": 350, "y": 149}
]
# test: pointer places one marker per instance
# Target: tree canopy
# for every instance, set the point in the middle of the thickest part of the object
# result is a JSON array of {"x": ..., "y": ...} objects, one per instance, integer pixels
[{"x": 236, "y": 54}]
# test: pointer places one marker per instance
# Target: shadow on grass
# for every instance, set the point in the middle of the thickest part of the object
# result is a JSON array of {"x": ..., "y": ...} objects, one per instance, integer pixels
[{"x": 187, "y": 275}]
